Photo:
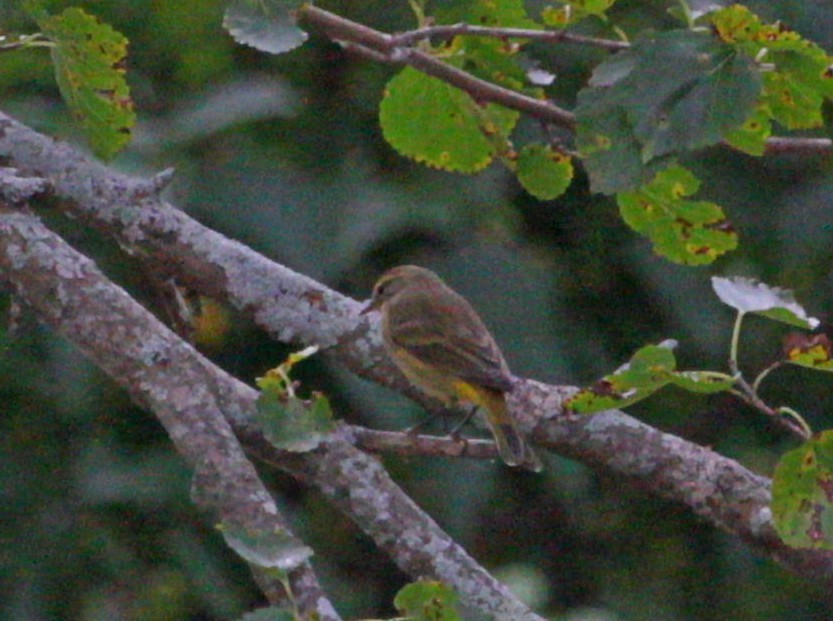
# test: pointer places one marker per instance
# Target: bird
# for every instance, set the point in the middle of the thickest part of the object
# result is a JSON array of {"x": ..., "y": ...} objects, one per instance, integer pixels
[{"x": 441, "y": 345}]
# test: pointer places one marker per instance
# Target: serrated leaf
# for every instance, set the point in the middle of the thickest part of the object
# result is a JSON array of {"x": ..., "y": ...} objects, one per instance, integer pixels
[
  {"x": 426, "y": 119},
  {"x": 544, "y": 173},
  {"x": 676, "y": 91},
  {"x": 748, "y": 295},
  {"x": 290, "y": 423},
  {"x": 267, "y": 25},
  {"x": 684, "y": 231},
  {"x": 88, "y": 57},
  {"x": 802, "y": 494},
  {"x": 427, "y": 600},
  {"x": 270, "y": 550},
  {"x": 272, "y": 613},
  {"x": 812, "y": 351}
]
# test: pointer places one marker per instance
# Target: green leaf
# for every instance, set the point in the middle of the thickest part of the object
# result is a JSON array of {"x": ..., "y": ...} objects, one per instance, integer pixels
[
  {"x": 752, "y": 135},
  {"x": 492, "y": 60},
  {"x": 748, "y": 295},
  {"x": 610, "y": 152},
  {"x": 270, "y": 550},
  {"x": 544, "y": 173},
  {"x": 88, "y": 57},
  {"x": 290, "y": 423},
  {"x": 566, "y": 13},
  {"x": 267, "y": 25},
  {"x": 427, "y": 600},
  {"x": 684, "y": 231},
  {"x": 812, "y": 351},
  {"x": 802, "y": 494},
  {"x": 504, "y": 14},
  {"x": 272, "y": 613},
  {"x": 685, "y": 90},
  {"x": 650, "y": 369},
  {"x": 426, "y": 119},
  {"x": 675, "y": 91},
  {"x": 791, "y": 102}
]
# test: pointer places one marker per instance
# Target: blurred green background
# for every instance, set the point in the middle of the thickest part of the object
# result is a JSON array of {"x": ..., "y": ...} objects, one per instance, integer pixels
[{"x": 285, "y": 154}]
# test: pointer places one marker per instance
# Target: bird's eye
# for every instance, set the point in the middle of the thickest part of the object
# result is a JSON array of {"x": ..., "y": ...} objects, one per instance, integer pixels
[{"x": 381, "y": 287}]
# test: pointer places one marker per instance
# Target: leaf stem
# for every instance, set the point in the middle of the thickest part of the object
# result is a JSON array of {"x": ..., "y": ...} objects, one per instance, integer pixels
[
  {"x": 808, "y": 431},
  {"x": 24, "y": 41},
  {"x": 418, "y": 7},
  {"x": 733, "y": 349},
  {"x": 762, "y": 375}
]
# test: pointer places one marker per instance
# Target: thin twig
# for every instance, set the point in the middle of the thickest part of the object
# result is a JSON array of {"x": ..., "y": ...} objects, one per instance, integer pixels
[
  {"x": 778, "y": 145},
  {"x": 370, "y": 40},
  {"x": 404, "y": 443},
  {"x": 443, "y": 32},
  {"x": 748, "y": 394}
]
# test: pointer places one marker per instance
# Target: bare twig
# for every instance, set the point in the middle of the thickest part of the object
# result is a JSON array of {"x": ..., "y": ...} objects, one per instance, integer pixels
[
  {"x": 404, "y": 443},
  {"x": 443, "y": 32},
  {"x": 778, "y": 145}
]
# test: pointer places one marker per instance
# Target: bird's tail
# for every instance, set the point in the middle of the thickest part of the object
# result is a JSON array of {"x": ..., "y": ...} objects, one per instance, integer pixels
[{"x": 513, "y": 449}]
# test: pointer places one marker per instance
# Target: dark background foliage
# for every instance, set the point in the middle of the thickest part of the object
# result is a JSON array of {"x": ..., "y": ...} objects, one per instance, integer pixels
[{"x": 285, "y": 154}]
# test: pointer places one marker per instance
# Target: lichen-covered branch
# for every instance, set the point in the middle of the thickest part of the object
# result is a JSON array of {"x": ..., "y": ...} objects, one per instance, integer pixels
[
  {"x": 191, "y": 396},
  {"x": 293, "y": 307},
  {"x": 161, "y": 372}
]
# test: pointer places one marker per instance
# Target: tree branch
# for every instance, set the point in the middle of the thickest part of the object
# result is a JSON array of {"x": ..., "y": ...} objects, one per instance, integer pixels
[
  {"x": 342, "y": 29},
  {"x": 404, "y": 443},
  {"x": 190, "y": 396},
  {"x": 295, "y": 308},
  {"x": 69, "y": 293},
  {"x": 397, "y": 50}
]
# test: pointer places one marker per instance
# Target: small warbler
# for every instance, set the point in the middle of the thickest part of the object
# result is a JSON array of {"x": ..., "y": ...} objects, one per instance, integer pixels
[{"x": 442, "y": 346}]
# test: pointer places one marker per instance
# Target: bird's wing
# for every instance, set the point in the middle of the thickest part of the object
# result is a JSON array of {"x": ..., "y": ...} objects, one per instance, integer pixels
[{"x": 457, "y": 343}]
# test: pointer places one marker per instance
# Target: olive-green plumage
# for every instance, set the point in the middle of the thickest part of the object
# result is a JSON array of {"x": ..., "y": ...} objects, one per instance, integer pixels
[{"x": 442, "y": 346}]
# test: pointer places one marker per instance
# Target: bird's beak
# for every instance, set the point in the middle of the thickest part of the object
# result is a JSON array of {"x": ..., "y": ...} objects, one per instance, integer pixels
[{"x": 372, "y": 305}]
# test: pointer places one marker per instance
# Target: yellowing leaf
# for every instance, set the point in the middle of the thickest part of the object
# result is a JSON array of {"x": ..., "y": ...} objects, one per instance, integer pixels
[
  {"x": 802, "y": 494},
  {"x": 812, "y": 351},
  {"x": 427, "y": 600},
  {"x": 684, "y": 231},
  {"x": 544, "y": 173},
  {"x": 89, "y": 67}
]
